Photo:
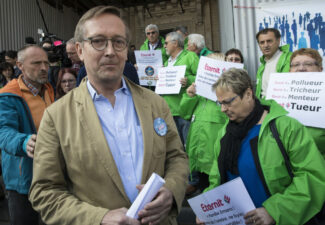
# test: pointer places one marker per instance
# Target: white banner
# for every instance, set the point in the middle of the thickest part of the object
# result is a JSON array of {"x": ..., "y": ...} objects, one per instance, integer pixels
[
  {"x": 148, "y": 63},
  {"x": 301, "y": 23},
  {"x": 208, "y": 72},
  {"x": 301, "y": 94},
  {"x": 169, "y": 79},
  {"x": 223, "y": 205}
]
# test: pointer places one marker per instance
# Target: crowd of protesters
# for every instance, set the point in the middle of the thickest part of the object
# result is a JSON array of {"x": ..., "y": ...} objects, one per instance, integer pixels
[{"x": 76, "y": 124}]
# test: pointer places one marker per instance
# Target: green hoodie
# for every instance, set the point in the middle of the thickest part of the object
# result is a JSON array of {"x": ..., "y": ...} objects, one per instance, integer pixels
[
  {"x": 291, "y": 201},
  {"x": 160, "y": 46},
  {"x": 283, "y": 65},
  {"x": 191, "y": 61}
]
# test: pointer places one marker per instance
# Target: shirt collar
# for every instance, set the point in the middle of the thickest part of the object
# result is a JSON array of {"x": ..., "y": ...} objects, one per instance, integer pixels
[
  {"x": 31, "y": 87},
  {"x": 94, "y": 95},
  {"x": 170, "y": 59}
]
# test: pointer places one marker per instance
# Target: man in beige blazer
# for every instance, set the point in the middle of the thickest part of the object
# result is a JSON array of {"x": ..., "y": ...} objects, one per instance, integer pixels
[{"x": 77, "y": 179}]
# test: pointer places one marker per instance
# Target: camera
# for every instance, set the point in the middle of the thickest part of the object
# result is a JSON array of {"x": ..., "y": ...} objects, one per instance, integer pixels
[{"x": 55, "y": 47}]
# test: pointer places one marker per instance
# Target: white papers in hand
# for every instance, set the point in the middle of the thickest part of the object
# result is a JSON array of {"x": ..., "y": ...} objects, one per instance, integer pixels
[{"x": 148, "y": 192}]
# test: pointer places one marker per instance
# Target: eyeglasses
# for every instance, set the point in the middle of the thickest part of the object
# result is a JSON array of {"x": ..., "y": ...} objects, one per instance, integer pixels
[
  {"x": 152, "y": 32},
  {"x": 166, "y": 42},
  {"x": 304, "y": 64},
  {"x": 119, "y": 43},
  {"x": 226, "y": 102},
  {"x": 71, "y": 81},
  {"x": 234, "y": 59}
]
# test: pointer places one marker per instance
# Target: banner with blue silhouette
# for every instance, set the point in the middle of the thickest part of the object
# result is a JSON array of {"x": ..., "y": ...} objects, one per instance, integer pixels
[{"x": 301, "y": 23}]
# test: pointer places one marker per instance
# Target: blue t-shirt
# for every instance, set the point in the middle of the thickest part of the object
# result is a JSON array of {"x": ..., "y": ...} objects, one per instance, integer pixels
[{"x": 247, "y": 169}]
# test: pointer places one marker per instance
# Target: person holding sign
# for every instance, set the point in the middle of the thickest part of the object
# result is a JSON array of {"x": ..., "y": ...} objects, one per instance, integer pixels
[
  {"x": 206, "y": 118},
  {"x": 309, "y": 60},
  {"x": 154, "y": 41},
  {"x": 246, "y": 148},
  {"x": 178, "y": 56}
]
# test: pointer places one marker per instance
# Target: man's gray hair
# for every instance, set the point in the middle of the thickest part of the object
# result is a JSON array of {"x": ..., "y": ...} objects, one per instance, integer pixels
[
  {"x": 197, "y": 40},
  {"x": 151, "y": 27},
  {"x": 181, "y": 29},
  {"x": 71, "y": 41},
  {"x": 22, "y": 51},
  {"x": 174, "y": 36}
]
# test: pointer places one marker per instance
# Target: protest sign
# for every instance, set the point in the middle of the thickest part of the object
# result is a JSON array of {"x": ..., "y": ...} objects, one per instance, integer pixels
[
  {"x": 169, "y": 79},
  {"x": 225, "y": 204},
  {"x": 148, "y": 63},
  {"x": 209, "y": 71},
  {"x": 301, "y": 94}
]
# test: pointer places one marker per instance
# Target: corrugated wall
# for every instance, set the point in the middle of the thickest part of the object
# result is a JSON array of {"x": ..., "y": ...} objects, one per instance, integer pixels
[
  {"x": 21, "y": 18},
  {"x": 237, "y": 18}
]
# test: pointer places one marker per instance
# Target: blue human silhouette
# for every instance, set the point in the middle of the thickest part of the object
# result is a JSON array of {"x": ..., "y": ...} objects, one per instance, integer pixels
[
  {"x": 270, "y": 21},
  {"x": 294, "y": 31},
  {"x": 311, "y": 30},
  {"x": 322, "y": 37},
  {"x": 287, "y": 28},
  {"x": 300, "y": 19},
  {"x": 289, "y": 41},
  {"x": 308, "y": 15},
  {"x": 305, "y": 18},
  {"x": 314, "y": 41},
  {"x": 261, "y": 27},
  {"x": 302, "y": 43},
  {"x": 276, "y": 25},
  {"x": 282, "y": 30}
]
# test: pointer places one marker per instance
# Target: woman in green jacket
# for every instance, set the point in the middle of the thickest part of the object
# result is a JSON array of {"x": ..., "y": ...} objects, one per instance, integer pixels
[
  {"x": 246, "y": 148},
  {"x": 206, "y": 119}
]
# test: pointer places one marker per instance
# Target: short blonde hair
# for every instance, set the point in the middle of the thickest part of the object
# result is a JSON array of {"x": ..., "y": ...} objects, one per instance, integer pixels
[
  {"x": 217, "y": 55},
  {"x": 235, "y": 80},
  {"x": 95, "y": 12}
]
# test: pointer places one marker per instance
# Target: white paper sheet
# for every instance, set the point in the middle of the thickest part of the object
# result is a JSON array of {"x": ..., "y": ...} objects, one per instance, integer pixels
[
  {"x": 225, "y": 204},
  {"x": 148, "y": 192},
  {"x": 169, "y": 79}
]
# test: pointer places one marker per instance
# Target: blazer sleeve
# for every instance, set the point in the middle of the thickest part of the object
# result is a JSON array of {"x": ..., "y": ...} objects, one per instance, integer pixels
[{"x": 49, "y": 190}]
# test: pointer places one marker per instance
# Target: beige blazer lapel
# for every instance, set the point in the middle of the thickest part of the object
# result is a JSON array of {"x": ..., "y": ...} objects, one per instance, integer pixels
[
  {"x": 144, "y": 113},
  {"x": 95, "y": 136}
]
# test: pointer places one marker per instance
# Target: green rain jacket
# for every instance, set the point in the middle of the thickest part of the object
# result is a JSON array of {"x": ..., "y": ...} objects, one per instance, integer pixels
[
  {"x": 291, "y": 202},
  {"x": 206, "y": 119},
  {"x": 204, "y": 52},
  {"x": 283, "y": 65},
  {"x": 319, "y": 137},
  {"x": 160, "y": 46},
  {"x": 191, "y": 61}
]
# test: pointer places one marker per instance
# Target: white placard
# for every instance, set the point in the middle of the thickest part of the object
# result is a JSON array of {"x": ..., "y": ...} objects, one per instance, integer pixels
[
  {"x": 301, "y": 94},
  {"x": 169, "y": 79},
  {"x": 148, "y": 192},
  {"x": 225, "y": 204},
  {"x": 148, "y": 63},
  {"x": 209, "y": 71}
]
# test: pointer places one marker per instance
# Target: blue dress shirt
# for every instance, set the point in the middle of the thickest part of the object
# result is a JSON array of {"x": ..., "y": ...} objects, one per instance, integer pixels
[{"x": 123, "y": 134}]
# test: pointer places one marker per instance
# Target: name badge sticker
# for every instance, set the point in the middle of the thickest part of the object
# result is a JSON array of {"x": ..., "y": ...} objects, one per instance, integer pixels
[{"x": 160, "y": 126}]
